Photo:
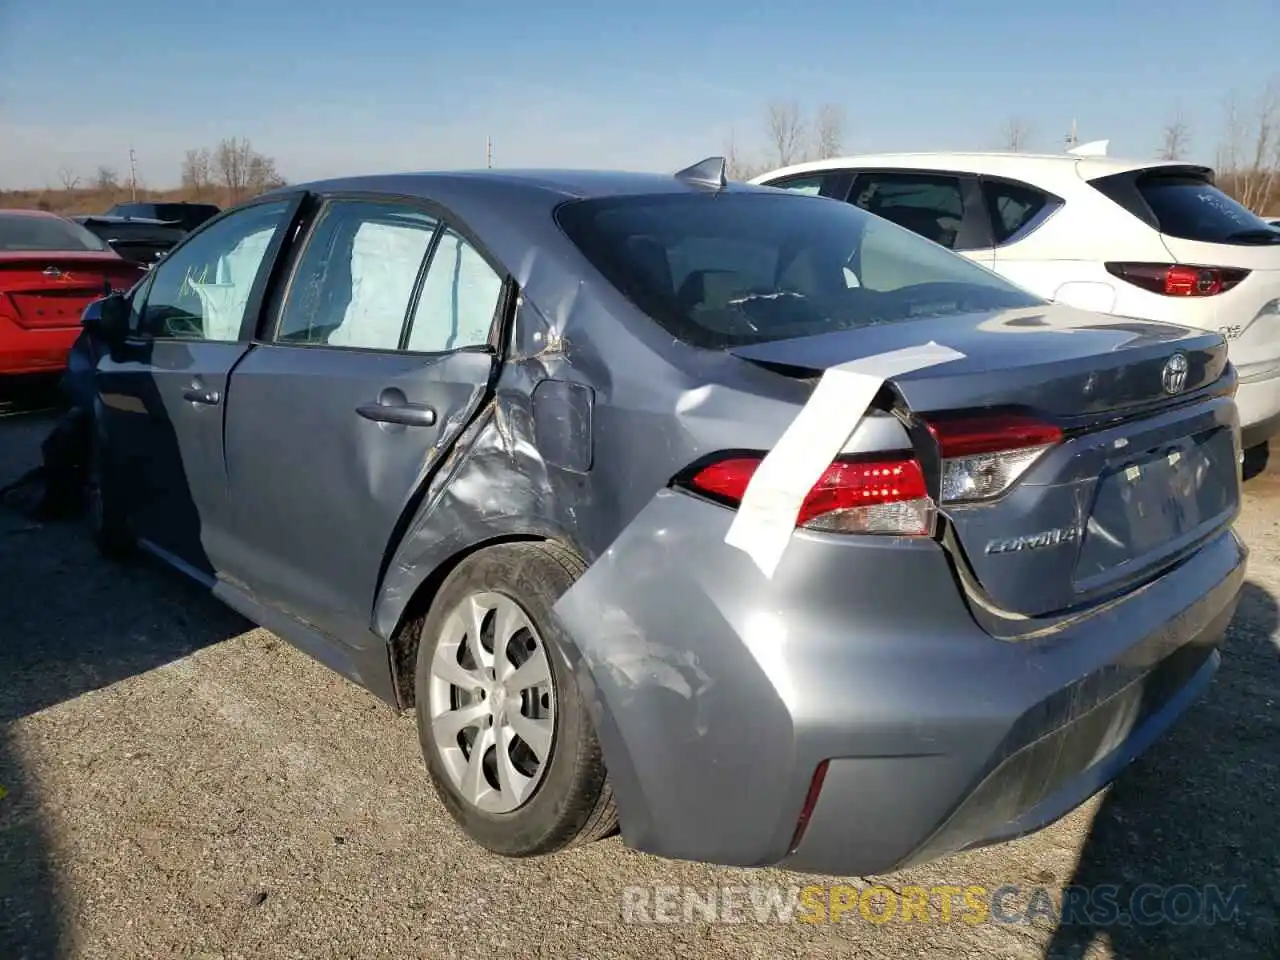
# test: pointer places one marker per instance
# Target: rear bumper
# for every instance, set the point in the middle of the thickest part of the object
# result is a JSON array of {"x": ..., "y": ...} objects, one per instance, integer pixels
[
  {"x": 25, "y": 351},
  {"x": 1258, "y": 401},
  {"x": 717, "y": 694},
  {"x": 1055, "y": 755}
]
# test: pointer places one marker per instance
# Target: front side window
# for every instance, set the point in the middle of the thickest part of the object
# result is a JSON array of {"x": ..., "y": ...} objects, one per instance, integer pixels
[
  {"x": 928, "y": 204},
  {"x": 201, "y": 291},
  {"x": 723, "y": 269},
  {"x": 356, "y": 277}
]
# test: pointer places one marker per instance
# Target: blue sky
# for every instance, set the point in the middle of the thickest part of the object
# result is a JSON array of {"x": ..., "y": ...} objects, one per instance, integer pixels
[{"x": 367, "y": 85}]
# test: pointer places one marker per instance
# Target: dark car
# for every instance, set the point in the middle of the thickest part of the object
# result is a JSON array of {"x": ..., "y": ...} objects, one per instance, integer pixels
[
  {"x": 186, "y": 214},
  {"x": 138, "y": 240},
  {"x": 691, "y": 506}
]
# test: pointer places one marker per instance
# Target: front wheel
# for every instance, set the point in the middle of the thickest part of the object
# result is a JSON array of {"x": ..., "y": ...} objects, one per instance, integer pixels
[
  {"x": 504, "y": 731},
  {"x": 104, "y": 510}
]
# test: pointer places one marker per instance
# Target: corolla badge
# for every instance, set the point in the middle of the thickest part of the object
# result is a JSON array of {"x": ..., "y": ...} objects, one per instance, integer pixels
[
  {"x": 1034, "y": 541},
  {"x": 1174, "y": 375}
]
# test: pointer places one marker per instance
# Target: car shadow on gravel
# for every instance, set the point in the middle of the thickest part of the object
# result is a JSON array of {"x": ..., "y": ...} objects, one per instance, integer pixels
[
  {"x": 71, "y": 623},
  {"x": 1190, "y": 834}
]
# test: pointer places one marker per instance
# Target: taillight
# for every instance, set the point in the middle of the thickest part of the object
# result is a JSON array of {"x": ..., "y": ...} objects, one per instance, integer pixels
[
  {"x": 1178, "y": 279},
  {"x": 885, "y": 495},
  {"x": 984, "y": 456}
]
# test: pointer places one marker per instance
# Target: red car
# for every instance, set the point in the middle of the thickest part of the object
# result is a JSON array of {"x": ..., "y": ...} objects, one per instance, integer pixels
[{"x": 50, "y": 268}]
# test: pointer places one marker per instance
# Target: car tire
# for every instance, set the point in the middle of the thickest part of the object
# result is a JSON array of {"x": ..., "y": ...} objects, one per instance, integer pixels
[
  {"x": 1255, "y": 460},
  {"x": 569, "y": 799},
  {"x": 104, "y": 511}
]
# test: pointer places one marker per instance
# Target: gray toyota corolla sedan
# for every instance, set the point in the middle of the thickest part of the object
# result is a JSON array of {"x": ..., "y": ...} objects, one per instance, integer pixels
[{"x": 746, "y": 521}]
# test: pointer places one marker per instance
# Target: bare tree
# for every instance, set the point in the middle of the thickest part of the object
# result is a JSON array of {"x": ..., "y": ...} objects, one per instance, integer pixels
[
  {"x": 1249, "y": 155},
  {"x": 197, "y": 171},
  {"x": 786, "y": 127},
  {"x": 242, "y": 170},
  {"x": 738, "y": 167},
  {"x": 67, "y": 177},
  {"x": 106, "y": 179},
  {"x": 1175, "y": 138},
  {"x": 828, "y": 135},
  {"x": 1015, "y": 134}
]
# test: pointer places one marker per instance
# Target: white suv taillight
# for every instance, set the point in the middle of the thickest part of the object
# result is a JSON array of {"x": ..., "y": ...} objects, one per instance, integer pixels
[
  {"x": 884, "y": 495},
  {"x": 982, "y": 457},
  {"x": 1178, "y": 279}
]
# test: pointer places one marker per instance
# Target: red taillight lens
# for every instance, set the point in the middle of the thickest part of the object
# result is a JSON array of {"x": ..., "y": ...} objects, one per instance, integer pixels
[
  {"x": 1178, "y": 279},
  {"x": 992, "y": 434},
  {"x": 852, "y": 496},
  {"x": 984, "y": 456},
  {"x": 810, "y": 803}
]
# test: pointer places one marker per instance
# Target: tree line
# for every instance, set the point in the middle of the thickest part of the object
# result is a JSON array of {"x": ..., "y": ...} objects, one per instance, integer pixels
[
  {"x": 226, "y": 173},
  {"x": 1247, "y": 156}
]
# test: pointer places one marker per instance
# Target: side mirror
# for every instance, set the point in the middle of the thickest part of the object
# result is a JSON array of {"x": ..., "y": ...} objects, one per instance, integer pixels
[{"x": 107, "y": 318}]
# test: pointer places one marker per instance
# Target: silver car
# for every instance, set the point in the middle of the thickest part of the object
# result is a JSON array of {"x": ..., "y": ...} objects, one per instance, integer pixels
[{"x": 746, "y": 521}]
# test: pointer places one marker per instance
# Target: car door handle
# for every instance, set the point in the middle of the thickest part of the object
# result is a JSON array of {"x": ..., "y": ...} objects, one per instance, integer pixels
[
  {"x": 408, "y": 414},
  {"x": 201, "y": 395}
]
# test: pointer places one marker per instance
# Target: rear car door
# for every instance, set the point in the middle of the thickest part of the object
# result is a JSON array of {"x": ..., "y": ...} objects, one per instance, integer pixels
[
  {"x": 943, "y": 207},
  {"x": 827, "y": 183},
  {"x": 382, "y": 349},
  {"x": 162, "y": 390}
]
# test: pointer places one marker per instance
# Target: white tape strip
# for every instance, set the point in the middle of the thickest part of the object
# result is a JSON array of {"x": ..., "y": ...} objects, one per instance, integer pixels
[{"x": 767, "y": 515}]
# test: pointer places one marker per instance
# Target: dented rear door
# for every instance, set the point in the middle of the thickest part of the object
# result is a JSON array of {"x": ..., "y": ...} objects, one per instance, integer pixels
[{"x": 377, "y": 358}]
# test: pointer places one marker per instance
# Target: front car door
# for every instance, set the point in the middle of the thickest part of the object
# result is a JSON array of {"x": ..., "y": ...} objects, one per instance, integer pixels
[
  {"x": 162, "y": 390},
  {"x": 381, "y": 350}
]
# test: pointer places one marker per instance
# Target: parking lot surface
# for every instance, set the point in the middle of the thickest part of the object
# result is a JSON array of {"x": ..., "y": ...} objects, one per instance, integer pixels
[{"x": 175, "y": 782}]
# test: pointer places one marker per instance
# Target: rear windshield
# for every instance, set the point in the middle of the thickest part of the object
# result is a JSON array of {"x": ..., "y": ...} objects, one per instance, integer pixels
[
  {"x": 719, "y": 270},
  {"x": 20, "y": 232},
  {"x": 145, "y": 211},
  {"x": 1193, "y": 209}
]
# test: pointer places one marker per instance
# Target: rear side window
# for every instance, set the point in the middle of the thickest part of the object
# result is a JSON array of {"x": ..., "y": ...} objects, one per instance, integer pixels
[
  {"x": 721, "y": 269},
  {"x": 355, "y": 280},
  {"x": 20, "y": 232},
  {"x": 459, "y": 299},
  {"x": 1186, "y": 206},
  {"x": 1015, "y": 208},
  {"x": 927, "y": 204}
]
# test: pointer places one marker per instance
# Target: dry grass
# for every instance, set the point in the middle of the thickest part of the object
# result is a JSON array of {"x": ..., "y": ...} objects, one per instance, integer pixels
[{"x": 96, "y": 200}]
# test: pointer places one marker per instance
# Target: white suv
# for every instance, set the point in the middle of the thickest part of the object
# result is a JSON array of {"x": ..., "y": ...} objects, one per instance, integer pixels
[{"x": 1136, "y": 238}]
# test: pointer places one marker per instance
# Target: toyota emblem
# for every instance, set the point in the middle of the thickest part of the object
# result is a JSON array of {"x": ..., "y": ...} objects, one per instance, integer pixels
[{"x": 1174, "y": 376}]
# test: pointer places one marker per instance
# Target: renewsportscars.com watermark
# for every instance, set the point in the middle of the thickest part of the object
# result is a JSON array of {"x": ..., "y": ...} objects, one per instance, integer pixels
[{"x": 1103, "y": 905}]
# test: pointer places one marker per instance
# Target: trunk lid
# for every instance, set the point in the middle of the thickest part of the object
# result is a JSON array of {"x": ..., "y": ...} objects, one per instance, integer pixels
[
  {"x": 45, "y": 290},
  {"x": 1140, "y": 478}
]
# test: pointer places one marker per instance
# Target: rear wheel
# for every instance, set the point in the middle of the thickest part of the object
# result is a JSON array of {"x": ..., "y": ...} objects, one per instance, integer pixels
[
  {"x": 1255, "y": 460},
  {"x": 103, "y": 508},
  {"x": 505, "y": 734}
]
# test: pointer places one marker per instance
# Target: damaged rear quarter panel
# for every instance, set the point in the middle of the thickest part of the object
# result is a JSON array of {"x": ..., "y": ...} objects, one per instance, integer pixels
[{"x": 594, "y": 411}]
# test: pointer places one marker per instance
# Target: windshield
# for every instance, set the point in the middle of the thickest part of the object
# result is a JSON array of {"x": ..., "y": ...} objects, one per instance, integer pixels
[
  {"x": 22, "y": 232},
  {"x": 720, "y": 270},
  {"x": 1193, "y": 209}
]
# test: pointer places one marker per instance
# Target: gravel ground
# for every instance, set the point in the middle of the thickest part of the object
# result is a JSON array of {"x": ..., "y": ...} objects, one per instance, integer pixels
[{"x": 178, "y": 783}]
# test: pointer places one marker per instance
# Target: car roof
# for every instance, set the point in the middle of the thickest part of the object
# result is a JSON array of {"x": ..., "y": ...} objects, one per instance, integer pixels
[
  {"x": 1013, "y": 165},
  {"x": 22, "y": 212},
  {"x": 115, "y": 219},
  {"x": 555, "y": 185}
]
